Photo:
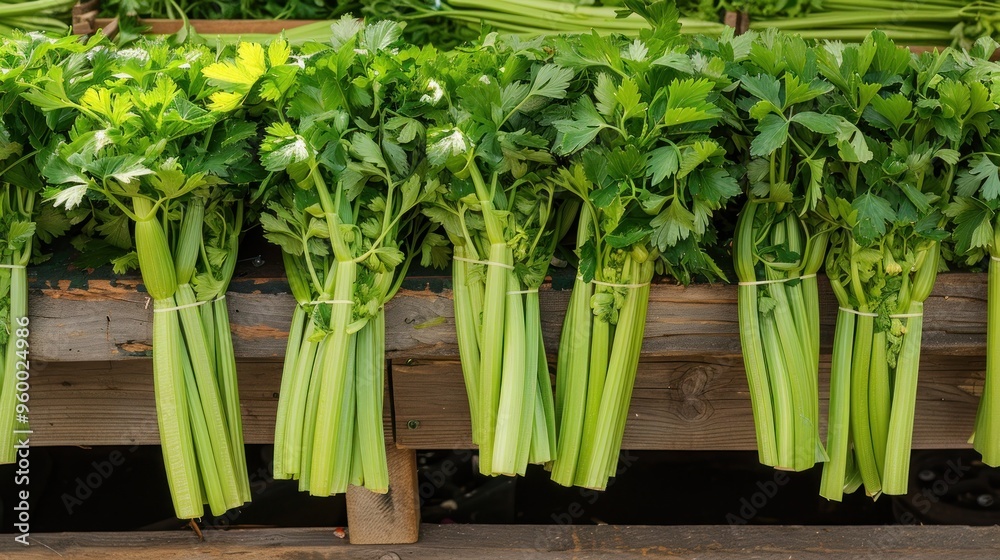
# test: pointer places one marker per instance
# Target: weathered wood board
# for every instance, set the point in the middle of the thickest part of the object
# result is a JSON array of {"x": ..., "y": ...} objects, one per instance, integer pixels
[
  {"x": 518, "y": 542},
  {"x": 111, "y": 403},
  {"x": 93, "y": 319},
  {"x": 695, "y": 403},
  {"x": 691, "y": 392}
]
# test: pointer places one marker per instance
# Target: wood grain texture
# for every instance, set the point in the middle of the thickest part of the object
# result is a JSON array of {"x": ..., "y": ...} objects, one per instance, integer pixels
[
  {"x": 690, "y": 393},
  {"x": 519, "y": 542},
  {"x": 693, "y": 403},
  {"x": 112, "y": 403},
  {"x": 97, "y": 320},
  {"x": 393, "y": 517}
]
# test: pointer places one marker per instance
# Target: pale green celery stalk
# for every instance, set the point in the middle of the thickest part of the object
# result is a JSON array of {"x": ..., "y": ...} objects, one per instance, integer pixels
[
  {"x": 796, "y": 368},
  {"x": 231, "y": 395},
  {"x": 594, "y": 458},
  {"x": 207, "y": 392},
  {"x": 491, "y": 350},
  {"x": 792, "y": 350},
  {"x": 207, "y": 315},
  {"x": 597, "y": 373},
  {"x": 357, "y": 465},
  {"x": 751, "y": 340},
  {"x": 781, "y": 391},
  {"x": 301, "y": 406},
  {"x": 904, "y": 395},
  {"x": 309, "y": 418},
  {"x": 468, "y": 306},
  {"x": 8, "y": 392},
  {"x": 172, "y": 412},
  {"x": 815, "y": 255},
  {"x": 370, "y": 385},
  {"x": 283, "y": 471},
  {"x": 757, "y": 377},
  {"x": 879, "y": 400},
  {"x": 159, "y": 277},
  {"x": 860, "y": 428},
  {"x": 987, "y": 421},
  {"x": 529, "y": 401},
  {"x": 513, "y": 378},
  {"x": 572, "y": 371},
  {"x": 634, "y": 349},
  {"x": 806, "y": 317},
  {"x": 838, "y": 425},
  {"x": 543, "y": 440},
  {"x": 219, "y": 335},
  {"x": 380, "y": 474},
  {"x": 211, "y": 478},
  {"x": 300, "y": 356},
  {"x": 491, "y": 344},
  {"x": 332, "y": 370},
  {"x": 853, "y": 479},
  {"x": 343, "y": 441},
  {"x": 897, "y": 458}
]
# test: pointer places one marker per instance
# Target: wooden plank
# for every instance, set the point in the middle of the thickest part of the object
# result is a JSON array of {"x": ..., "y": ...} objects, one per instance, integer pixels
[
  {"x": 95, "y": 319},
  {"x": 689, "y": 403},
  {"x": 693, "y": 403},
  {"x": 517, "y": 542},
  {"x": 111, "y": 403}
]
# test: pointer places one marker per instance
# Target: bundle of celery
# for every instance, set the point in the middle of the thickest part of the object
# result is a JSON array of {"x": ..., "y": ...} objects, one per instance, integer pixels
[
  {"x": 451, "y": 22},
  {"x": 22, "y": 215},
  {"x": 49, "y": 16},
  {"x": 914, "y": 114},
  {"x": 347, "y": 174},
  {"x": 145, "y": 154},
  {"x": 973, "y": 213},
  {"x": 780, "y": 243},
  {"x": 503, "y": 214},
  {"x": 650, "y": 175},
  {"x": 936, "y": 22}
]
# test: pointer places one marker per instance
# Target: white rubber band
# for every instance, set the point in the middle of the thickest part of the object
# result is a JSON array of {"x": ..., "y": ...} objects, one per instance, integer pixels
[
  {"x": 892, "y": 316},
  {"x": 13, "y": 266},
  {"x": 992, "y": 258},
  {"x": 179, "y": 307},
  {"x": 331, "y": 302},
  {"x": 778, "y": 281},
  {"x": 612, "y": 284},
  {"x": 529, "y": 291},
  {"x": 487, "y": 263},
  {"x": 856, "y": 312}
]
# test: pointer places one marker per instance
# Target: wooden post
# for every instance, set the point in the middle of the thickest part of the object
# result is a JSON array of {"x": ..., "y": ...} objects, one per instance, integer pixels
[
  {"x": 391, "y": 518},
  {"x": 394, "y": 517}
]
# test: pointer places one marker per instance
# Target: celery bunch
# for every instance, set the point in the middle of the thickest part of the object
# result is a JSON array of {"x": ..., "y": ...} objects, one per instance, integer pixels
[
  {"x": 915, "y": 115},
  {"x": 649, "y": 173},
  {"x": 347, "y": 173},
  {"x": 503, "y": 211},
  {"x": 163, "y": 177}
]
